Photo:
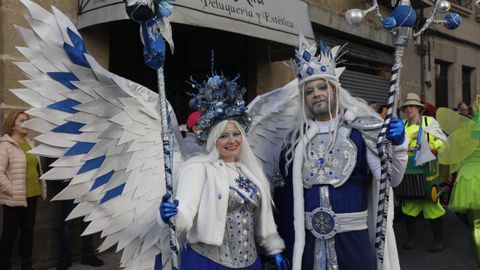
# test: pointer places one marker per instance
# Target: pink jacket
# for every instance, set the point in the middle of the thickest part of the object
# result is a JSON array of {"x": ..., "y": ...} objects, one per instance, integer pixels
[{"x": 13, "y": 165}]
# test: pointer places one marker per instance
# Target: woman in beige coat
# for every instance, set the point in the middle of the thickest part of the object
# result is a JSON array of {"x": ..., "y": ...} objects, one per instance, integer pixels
[{"x": 19, "y": 189}]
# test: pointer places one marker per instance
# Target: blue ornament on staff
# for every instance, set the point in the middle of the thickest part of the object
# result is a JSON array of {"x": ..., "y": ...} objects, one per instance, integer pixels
[
  {"x": 400, "y": 24},
  {"x": 155, "y": 30}
]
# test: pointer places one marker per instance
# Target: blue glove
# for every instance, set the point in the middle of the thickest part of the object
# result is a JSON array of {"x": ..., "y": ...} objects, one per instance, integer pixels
[
  {"x": 396, "y": 131},
  {"x": 281, "y": 262},
  {"x": 168, "y": 209}
]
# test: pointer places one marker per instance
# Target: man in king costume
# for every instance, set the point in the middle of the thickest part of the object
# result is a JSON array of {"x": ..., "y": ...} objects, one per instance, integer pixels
[{"x": 330, "y": 166}]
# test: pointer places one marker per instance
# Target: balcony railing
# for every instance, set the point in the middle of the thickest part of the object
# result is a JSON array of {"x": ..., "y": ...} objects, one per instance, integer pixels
[
  {"x": 468, "y": 4},
  {"x": 416, "y": 4},
  {"x": 464, "y": 7}
]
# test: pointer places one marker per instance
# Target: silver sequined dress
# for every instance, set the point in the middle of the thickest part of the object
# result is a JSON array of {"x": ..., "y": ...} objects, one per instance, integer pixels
[{"x": 238, "y": 249}]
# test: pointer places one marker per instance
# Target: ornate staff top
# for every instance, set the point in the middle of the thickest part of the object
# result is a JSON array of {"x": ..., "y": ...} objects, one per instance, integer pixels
[
  {"x": 400, "y": 24},
  {"x": 401, "y": 20}
]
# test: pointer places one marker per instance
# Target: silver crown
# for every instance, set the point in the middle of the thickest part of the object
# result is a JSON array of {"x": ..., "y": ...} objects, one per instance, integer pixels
[{"x": 310, "y": 66}]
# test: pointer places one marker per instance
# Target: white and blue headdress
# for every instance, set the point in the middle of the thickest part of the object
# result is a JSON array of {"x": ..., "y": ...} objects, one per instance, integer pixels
[
  {"x": 309, "y": 66},
  {"x": 218, "y": 99}
]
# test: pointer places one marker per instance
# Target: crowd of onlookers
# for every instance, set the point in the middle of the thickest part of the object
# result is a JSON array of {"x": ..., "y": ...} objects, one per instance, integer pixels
[{"x": 462, "y": 108}]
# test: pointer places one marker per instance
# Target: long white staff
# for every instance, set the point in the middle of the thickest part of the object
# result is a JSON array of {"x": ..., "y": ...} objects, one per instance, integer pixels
[
  {"x": 400, "y": 24},
  {"x": 155, "y": 29}
]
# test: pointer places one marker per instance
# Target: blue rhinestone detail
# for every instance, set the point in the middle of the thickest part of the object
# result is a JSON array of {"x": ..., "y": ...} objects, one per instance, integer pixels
[
  {"x": 323, "y": 68},
  {"x": 320, "y": 162},
  {"x": 306, "y": 55},
  {"x": 297, "y": 61},
  {"x": 309, "y": 71}
]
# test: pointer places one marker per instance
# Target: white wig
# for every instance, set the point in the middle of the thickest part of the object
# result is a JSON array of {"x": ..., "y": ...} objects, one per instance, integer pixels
[
  {"x": 245, "y": 156},
  {"x": 347, "y": 106}
]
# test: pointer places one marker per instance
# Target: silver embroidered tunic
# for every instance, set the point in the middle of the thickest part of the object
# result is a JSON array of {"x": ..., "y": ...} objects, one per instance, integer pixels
[{"x": 238, "y": 248}]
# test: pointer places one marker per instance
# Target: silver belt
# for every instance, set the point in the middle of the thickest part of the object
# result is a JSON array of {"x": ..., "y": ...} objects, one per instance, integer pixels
[{"x": 323, "y": 223}]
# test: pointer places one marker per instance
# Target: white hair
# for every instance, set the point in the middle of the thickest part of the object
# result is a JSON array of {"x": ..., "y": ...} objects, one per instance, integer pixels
[
  {"x": 245, "y": 156},
  {"x": 356, "y": 107}
]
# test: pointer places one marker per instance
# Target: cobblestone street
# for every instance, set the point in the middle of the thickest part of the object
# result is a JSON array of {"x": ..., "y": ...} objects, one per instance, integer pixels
[{"x": 457, "y": 254}]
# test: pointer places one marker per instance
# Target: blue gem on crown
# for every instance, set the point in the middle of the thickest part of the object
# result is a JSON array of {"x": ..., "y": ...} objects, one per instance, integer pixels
[{"x": 308, "y": 65}]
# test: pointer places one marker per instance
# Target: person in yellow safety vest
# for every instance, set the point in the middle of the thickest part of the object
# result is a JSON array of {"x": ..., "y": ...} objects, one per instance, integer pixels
[{"x": 412, "y": 108}]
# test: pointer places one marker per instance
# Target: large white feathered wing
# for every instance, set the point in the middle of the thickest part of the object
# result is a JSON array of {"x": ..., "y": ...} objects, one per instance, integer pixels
[
  {"x": 274, "y": 115},
  {"x": 106, "y": 133}
]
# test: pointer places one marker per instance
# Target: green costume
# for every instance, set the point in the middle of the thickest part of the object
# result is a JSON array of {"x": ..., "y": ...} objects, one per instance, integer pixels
[{"x": 462, "y": 153}]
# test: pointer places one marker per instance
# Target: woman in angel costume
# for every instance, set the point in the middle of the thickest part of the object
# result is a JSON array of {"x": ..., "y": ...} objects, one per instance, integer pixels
[
  {"x": 223, "y": 203},
  {"x": 462, "y": 153},
  {"x": 324, "y": 192},
  {"x": 106, "y": 133}
]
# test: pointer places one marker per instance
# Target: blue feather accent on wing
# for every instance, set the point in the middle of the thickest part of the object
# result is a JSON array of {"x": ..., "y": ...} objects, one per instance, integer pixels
[
  {"x": 76, "y": 53},
  {"x": 102, "y": 180},
  {"x": 158, "y": 262},
  {"x": 80, "y": 148},
  {"x": 91, "y": 164},
  {"x": 64, "y": 78},
  {"x": 112, "y": 193},
  {"x": 70, "y": 128},
  {"x": 65, "y": 105}
]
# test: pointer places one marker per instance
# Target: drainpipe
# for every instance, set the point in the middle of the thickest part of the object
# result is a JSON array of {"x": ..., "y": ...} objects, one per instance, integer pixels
[{"x": 422, "y": 64}]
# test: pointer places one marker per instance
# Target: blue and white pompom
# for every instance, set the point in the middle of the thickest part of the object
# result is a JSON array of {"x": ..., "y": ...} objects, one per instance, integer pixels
[
  {"x": 214, "y": 81},
  {"x": 404, "y": 15},
  {"x": 164, "y": 8},
  {"x": 452, "y": 20},
  {"x": 389, "y": 23}
]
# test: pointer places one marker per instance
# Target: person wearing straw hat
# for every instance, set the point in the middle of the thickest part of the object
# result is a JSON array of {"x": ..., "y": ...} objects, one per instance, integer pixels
[{"x": 418, "y": 129}]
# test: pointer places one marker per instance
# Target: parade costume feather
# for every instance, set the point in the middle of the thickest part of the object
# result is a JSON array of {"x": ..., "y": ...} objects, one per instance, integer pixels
[
  {"x": 106, "y": 133},
  {"x": 273, "y": 115}
]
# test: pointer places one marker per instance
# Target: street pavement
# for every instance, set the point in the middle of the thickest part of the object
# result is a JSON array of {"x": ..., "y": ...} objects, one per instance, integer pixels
[
  {"x": 457, "y": 254},
  {"x": 111, "y": 260}
]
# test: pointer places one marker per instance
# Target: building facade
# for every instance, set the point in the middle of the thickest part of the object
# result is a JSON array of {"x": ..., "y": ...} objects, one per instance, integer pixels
[{"x": 443, "y": 67}]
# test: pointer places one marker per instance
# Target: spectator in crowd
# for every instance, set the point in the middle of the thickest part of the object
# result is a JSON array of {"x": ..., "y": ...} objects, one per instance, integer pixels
[
  {"x": 382, "y": 111},
  {"x": 190, "y": 140},
  {"x": 464, "y": 110},
  {"x": 416, "y": 175},
  {"x": 430, "y": 110},
  {"x": 373, "y": 105},
  {"x": 19, "y": 189}
]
